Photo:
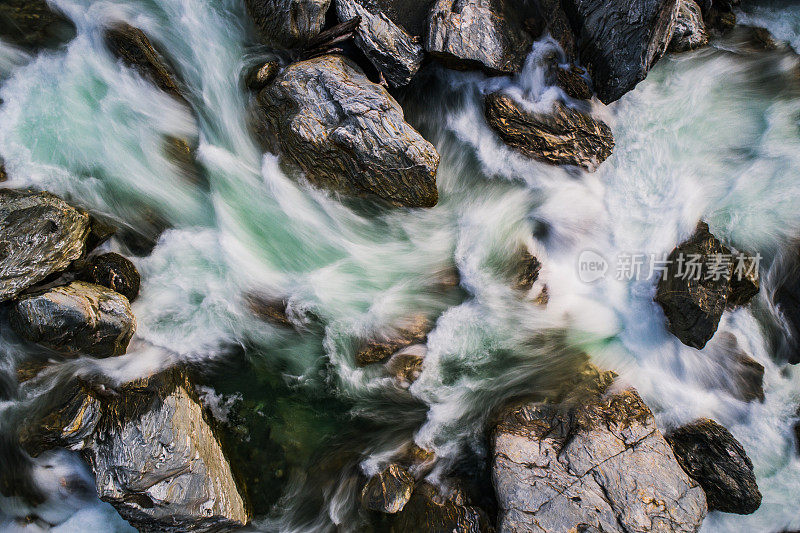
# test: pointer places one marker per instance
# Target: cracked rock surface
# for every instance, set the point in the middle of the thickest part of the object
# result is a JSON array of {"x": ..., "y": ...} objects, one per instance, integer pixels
[{"x": 599, "y": 465}]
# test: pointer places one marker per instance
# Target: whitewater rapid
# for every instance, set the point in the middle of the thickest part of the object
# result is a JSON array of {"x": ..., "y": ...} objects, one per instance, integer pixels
[{"x": 712, "y": 134}]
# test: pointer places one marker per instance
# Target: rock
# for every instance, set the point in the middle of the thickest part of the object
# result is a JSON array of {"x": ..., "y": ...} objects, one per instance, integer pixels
[
  {"x": 79, "y": 318},
  {"x": 690, "y": 31},
  {"x": 411, "y": 15},
  {"x": 389, "y": 490},
  {"x": 134, "y": 49},
  {"x": 392, "y": 51},
  {"x": 718, "y": 14},
  {"x": 113, "y": 271},
  {"x": 744, "y": 376},
  {"x": 594, "y": 464},
  {"x": 759, "y": 39},
  {"x": 482, "y": 34},
  {"x": 414, "y": 331},
  {"x": 262, "y": 76},
  {"x": 620, "y": 41},
  {"x": 744, "y": 280},
  {"x": 348, "y": 134},
  {"x": 527, "y": 270},
  {"x": 99, "y": 232},
  {"x": 693, "y": 306},
  {"x": 565, "y": 137},
  {"x": 572, "y": 82},
  {"x": 711, "y": 455},
  {"x": 428, "y": 510},
  {"x": 40, "y": 235},
  {"x": 3, "y": 174},
  {"x": 288, "y": 23},
  {"x": 33, "y": 24},
  {"x": 406, "y": 365},
  {"x": 558, "y": 26}
]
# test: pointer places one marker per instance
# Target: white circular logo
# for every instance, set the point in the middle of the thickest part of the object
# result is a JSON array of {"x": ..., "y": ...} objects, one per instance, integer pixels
[{"x": 591, "y": 266}]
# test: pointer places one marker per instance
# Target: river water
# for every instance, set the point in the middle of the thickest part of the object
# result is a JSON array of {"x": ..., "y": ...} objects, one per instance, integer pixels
[{"x": 712, "y": 134}]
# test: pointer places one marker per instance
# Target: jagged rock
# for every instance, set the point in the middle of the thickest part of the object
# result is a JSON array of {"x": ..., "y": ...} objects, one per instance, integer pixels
[
  {"x": 406, "y": 365},
  {"x": 262, "y": 76},
  {"x": 555, "y": 21},
  {"x": 3, "y": 174},
  {"x": 414, "y": 331},
  {"x": 288, "y": 23},
  {"x": 79, "y": 318},
  {"x": 113, "y": 271},
  {"x": 620, "y": 41},
  {"x": 711, "y": 455},
  {"x": 572, "y": 82},
  {"x": 690, "y": 30},
  {"x": 483, "y": 34},
  {"x": 33, "y": 24},
  {"x": 744, "y": 280},
  {"x": 693, "y": 306},
  {"x": 527, "y": 270},
  {"x": 99, "y": 232},
  {"x": 392, "y": 51},
  {"x": 428, "y": 510},
  {"x": 40, "y": 235},
  {"x": 134, "y": 49},
  {"x": 347, "y": 133},
  {"x": 597, "y": 463},
  {"x": 718, "y": 14},
  {"x": 389, "y": 490},
  {"x": 565, "y": 137}
]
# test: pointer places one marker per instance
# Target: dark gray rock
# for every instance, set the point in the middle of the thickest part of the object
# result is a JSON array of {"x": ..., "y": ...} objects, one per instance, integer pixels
[
  {"x": 565, "y": 137},
  {"x": 430, "y": 511},
  {"x": 411, "y": 15},
  {"x": 593, "y": 463},
  {"x": 33, "y": 24},
  {"x": 719, "y": 14},
  {"x": 690, "y": 30},
  {"x": 262, "y": 76},
  {"x": 113, "y": 271},
  {"x": 389, "y": 490},
  {"x": 551, "y": 14},
  {"x": 744, "y": 280},
  {"x": 693, "y": 303},
  {"x": 743, "y": 376},
  {"x": 395, "y": 53},
  {"x": 484, "y": 34},
  {"x": 572, "y": 82},
  {"x": 712, "y": 456},
  {"x": 40, "y": 235},
  {"x": 288, "y": 23},
  {"x": 347, "y": 133},
  {"x": 620, "y": 40},
  {"x": 79, "y": 318}
]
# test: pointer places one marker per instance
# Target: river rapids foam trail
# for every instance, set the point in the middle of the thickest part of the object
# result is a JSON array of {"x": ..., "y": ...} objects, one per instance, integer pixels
[{"x": 711, "y": 134}]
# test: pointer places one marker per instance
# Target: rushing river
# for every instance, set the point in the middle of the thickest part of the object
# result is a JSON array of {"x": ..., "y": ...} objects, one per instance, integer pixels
[{"x": 712, "y": 134}]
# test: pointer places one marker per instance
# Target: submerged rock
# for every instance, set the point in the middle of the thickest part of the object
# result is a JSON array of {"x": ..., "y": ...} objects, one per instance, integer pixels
[
  {"x": 348, "y": 134},
  {"x": 428, "y": 510},
  {"x": 79, "y": 318},
  {"x": 711, "y": 455},
  {"x": 392, "y": 51},
  {"x": 389, "y": 490},
  {"x": 406, "y": 365},
  {"x": 744, "y": 376},
  {"x": 288, "y": 23},
  {"x": 40, "y": 235},
  {"x": 484, "y": 34},
  {"x": 113, "y": 271},
  {"x": 572, "y": 82},
  {"x": 527, "y": 270},
  {"x": 620, "y": 41},
  {"x": 596, "y": 464},
  {"x": 414, "y": 331},
  {"x": 565, "y": 137},
  {"x": 690, "y": 31},
  {"x": 693, "y": 301},
  {"x": 33, "y": 24},
  {"x": 744, "y": 280}
]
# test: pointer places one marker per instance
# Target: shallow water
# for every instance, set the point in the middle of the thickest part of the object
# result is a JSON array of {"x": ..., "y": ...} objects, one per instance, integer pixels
[{"x": 711, "y": 134}]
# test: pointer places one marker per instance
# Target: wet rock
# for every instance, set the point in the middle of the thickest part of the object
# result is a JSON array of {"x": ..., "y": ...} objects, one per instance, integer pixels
[
  {"x": 718, "y": 14},
  {"x": 348, "y": 134},
  {"x": 557, "y": 25},
  {"x": 288, "y": 23},
  {"x": 620, "y": 41},
  {"x": 711, "y": 455},
  {"x": 429, "y": 510},
  {"x": 414, "y": 331},
  {"x": 40, "y": 235},
  {"x": 745, "y": 375},
  {"x": 597, "y": 464},
  {"x": 113, "y": 271},
  {"x": 395, "y": 53},
  {"x": 134, "y": 49},
  {"x": 694, "y": 305},
  {"x": 79, "y": 318},
  {"x": 744, "y": 280},
  {"x": 759, "y": 39},
  {"x": 3, "y": 174},
  {"x": 389, "y": 490},
  {"x": 33, "y": 24},
  {"x": 411, "y": 15},
  {"x": 479, "y": 34},
  {"x": 565, "y": 137},
  {"x": 406, "y": 365},
  {"x": 572, "y": 82},
  {"x": 527, "y": 270},
  {"x": 690, "y": 30},
  {"x": 99, "y": 232},
  {"x": 262, "y": 76}
]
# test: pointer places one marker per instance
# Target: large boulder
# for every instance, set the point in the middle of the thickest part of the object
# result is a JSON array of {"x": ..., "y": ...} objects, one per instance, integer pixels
[
  {"x": 598, "y": 463},
  {"x": 563, "y": 137},
  {"x": 33, "y": 24},
  {"x": 690, "y": 30},
  {"x": 40, "y": 235},
  {"x": 113, "y": 271},
  {"x": 483, "y": 34},
  {"x": 288, "y": 23},
  {"x": 79, "y": 318},
  {"x": 620, "y": 40},
  {"x": 392, "y": 50},
  {"x": 347, "y": 133},
  {"x": 693, "y": 291},
  {"x": 712, "y": 456},
  {"x": 429, "y": 510}
]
